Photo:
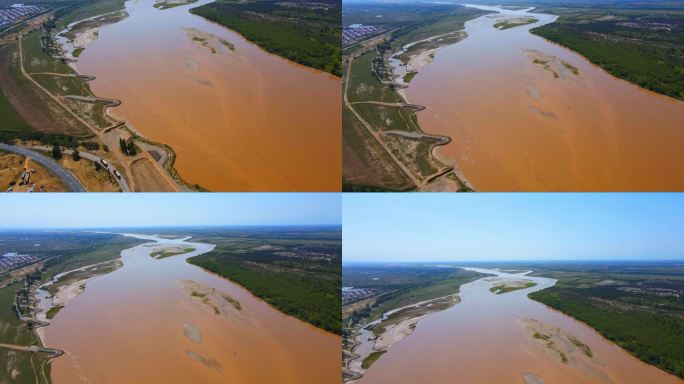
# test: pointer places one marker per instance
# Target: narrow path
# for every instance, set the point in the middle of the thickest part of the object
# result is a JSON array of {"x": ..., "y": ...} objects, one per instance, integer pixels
[
  {"x": 69, "y": 180},
  {"x": 124, "y": 161},
  {"x": 372, "y": 132},
  {"x": 416, "y": 107},
  {"x": 71, "y": 75},
  {"x": 33, "y": 348},
  {"x": 437, "y": 139},
  {"x": 95, "y": 131}
]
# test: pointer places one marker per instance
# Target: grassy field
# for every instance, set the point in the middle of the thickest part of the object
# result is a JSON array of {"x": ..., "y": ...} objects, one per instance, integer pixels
[
  {"x": 446, "y": 21},
  {"x": 639, "y": 306},
  {"x": 391, "y": 287},
  {"x": 164, "y": 253},
  {"x": 36, "y": 59},
  {"x": 11, "y": 120},
  {"x": 35, "y": 107},
  {"x": 641, "y": 44},
  {"x": 297, "y": 270},
  {"x": 507, "y": 24},
  {"x": 372, "y": 358},
  {"x": 18, "y": 367},
  {"x": 364, "y": 86},
  {"x": 82, "y": 9},
  {"x": 305, "y": 32},
  {"x": 368, "y": 166},
  {"x": 167, "y": 5},
  {"x": 501, "y": 289},
  {"x": 32, "y": 114},
  {"x": 404, "y": 284}
]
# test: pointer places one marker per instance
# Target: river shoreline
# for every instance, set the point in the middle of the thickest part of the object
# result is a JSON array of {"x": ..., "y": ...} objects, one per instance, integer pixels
[
  {"x": 582, "y": 132},
  {"x": 218, "y": 125},
  {"x": 205, "y": 326},
  {"x": 520, "y": 329}
]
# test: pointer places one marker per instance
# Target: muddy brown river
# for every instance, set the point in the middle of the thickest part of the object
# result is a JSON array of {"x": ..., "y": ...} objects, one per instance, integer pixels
[
  {"x": 480, "y": 340},
  {"x": 518, "y": 128},
  {"x": 138, "y": 325},
  {"x": 239, "y": 120}
]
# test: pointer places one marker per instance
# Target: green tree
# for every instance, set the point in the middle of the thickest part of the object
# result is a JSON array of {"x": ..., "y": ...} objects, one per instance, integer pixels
[
  {"x": 122, "y": 145},
  {"x": 56, "y": 152},
  {"x": 76, "y": 155},
  {"x": 131, "y": 148}
]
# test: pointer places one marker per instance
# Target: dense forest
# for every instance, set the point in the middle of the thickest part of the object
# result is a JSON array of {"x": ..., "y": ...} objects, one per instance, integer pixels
[
  {"x": 299, "y": 276},
  {"x": 306, "y": 33},
  {"x": 645, "y": 50},
  {"x": 655, "y": 337}
]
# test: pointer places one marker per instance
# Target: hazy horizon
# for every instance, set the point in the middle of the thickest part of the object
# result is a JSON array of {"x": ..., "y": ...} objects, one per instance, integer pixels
[
  {"x": 164, "y": 210},
  {"x": 512, "y": 227}
]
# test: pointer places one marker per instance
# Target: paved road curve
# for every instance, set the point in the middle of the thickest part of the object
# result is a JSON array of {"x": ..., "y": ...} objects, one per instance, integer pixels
[
  {"x": 94, "y": 158},
  {"x": 69, "y": 180}
]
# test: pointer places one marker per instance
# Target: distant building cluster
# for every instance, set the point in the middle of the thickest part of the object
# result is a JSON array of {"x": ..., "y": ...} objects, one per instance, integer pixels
[
  {"x": 355, "y": 32},
  {"x": 652, "y": 26},
  {"x": 350, "y": 294},
  {"x": 16, "y": 12},
  {"x": 307, "y": 5},
  {"x": 13, "y": 260},
  {"x": 664, "y": 292}
]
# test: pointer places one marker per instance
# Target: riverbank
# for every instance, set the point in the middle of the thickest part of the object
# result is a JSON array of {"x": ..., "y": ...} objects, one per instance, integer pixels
[
  {"x": 307, "y": 33},
  {"x": 621, "y": 41},
  {"x": 532, "y": 343},
  {"x": 376, "y": 338},
  {"x": 56, "y": 294},
  {"x": 378, "y": 75},
  {"x": 65, "y": 110},
  {"x": 72, "y": 41},
  {"x": 631, "y": 310},
  {"x": 549, "y": 103},
  {"x": 221, "y": 136}
]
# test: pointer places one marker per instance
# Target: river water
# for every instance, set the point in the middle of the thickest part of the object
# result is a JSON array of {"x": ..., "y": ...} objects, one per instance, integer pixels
[
  {"x": 479, "y": 340},
  {"x": 517, "y": 128},
  {"x": 127, "y": 327},
  {"x": 241, "y": 120}
]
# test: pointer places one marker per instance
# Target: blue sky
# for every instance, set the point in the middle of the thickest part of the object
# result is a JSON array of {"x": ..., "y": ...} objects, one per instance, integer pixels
[
  {"x": 69, "y": 210},
  {"x": 529, "y": 226}
]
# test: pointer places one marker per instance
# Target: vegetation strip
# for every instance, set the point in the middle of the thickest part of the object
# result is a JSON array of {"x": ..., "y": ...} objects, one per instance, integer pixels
[
  {"x": 297, "y": 271},
  {"x": 376, "y": 116},
  {"x": 305, "y": 32},
  {"x": 639, "y": 307},
  {"x": 643, "y": 46}
]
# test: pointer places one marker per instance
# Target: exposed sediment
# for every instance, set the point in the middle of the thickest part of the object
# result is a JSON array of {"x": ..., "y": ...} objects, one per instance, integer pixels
[
  {"x": 565, "y": 348},
  {"x": 380, "y": 335}
]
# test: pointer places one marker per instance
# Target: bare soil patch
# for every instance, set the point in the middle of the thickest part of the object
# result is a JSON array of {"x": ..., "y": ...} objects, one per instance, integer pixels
[
  {"x": 93, "y": 179},
  {"x": 147, "y": 178}
]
